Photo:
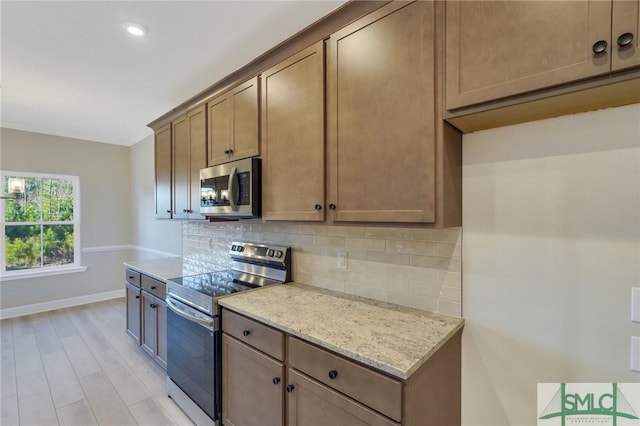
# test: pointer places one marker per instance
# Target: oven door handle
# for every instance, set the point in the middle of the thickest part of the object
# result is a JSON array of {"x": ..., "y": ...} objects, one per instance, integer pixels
[
  {"x": 233, "y": 189},
  {"x": 209, "y": 325}
]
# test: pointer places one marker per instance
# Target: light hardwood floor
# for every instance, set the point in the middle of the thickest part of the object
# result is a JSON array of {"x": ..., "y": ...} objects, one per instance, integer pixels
[{"x": 77, "y": 366}]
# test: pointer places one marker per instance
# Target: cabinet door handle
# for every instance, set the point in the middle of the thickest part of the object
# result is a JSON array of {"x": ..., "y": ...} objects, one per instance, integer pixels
[
  {"x": 168, "y": 211},
  {"x": 276, "y": 380},
  {"x": 599, "y": 47},
  {"x": 152, "y": 305},
  {"x": 290, "y": 388},
  {"x": 625, "y": 40},
  {"x": 245, "y": 333},
  {"x": 226, "y": 151},
  {"x": 137, "y": 297},
  {"x": 230, "y": 151},
  {"x": 333, "y": 374},
  {"x": 332, "y": 206},
  {"x": 318, "y": 207}
]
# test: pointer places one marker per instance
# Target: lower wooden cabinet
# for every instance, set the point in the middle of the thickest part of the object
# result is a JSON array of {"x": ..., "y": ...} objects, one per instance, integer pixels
[
  {"x": 147, "y": 314},
  {"x": 322, "y": 388},
  {"x": 309, "y": 403},
  {"x": 153, "y": 337},
  {"x": 249, "y": 375},
  {"x": 133, "y": 312}
]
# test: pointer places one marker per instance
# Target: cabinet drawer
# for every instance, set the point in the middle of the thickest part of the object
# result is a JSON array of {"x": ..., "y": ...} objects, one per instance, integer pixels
[
  {"x": 132, "y": 277},
  {"x": 261, "y": 337},
  {"x": 375, "y": 390},
  {"x": 153, "y": 286}
]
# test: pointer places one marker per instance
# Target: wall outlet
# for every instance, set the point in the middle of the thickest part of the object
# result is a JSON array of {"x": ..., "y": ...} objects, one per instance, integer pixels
[
  {"x": 635, "y": 353},
  {"x": 342, "y": 260},
  {"x": 635, "y": 304}
]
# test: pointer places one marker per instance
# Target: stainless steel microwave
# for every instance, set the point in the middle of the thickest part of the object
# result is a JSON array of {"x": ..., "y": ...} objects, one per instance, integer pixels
[{"x": 231, "y": 190}]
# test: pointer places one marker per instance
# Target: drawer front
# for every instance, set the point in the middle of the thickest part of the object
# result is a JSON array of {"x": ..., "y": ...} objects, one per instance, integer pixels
[
  {"x": 132, "y": 277},
  {"x": 253, "y": 333},
  {"x": 373, "y": 389},
  {"x": 153, "y": 286},
  {"x": 310, "y": 402}
]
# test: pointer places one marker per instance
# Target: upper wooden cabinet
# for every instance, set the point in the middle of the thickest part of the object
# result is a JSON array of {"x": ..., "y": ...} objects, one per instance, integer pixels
[
  {"x": 293, "y": 178},
  {"x": 626, "y": 22},
  {"x": 162, "y": 146},
  {"x": 389, "y": 155},
  {"x": 496, "y": 49},
  {"x": 189, "y": 155},
  {"x": 233, "y": 124}
]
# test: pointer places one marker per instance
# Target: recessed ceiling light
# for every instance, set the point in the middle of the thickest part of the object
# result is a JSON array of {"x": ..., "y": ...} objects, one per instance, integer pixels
[{"x": 135, "y": 28}]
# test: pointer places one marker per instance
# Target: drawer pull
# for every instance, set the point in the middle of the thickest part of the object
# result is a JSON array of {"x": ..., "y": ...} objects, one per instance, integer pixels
[
  {"x": 245, "y": 333},
  {"x": 333, "y": 374},
  {"x": 625, "y": 40},
  {"x": 290, "y": 388},
  {"x": 276, "y": 380},
  {"x": 130, "y": 277},
  {"x": 153, "y": 287},
  {"x": 600, "y": 47}
]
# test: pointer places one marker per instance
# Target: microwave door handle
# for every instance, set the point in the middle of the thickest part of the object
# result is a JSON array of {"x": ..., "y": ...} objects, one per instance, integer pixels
[{"x": 233, "y": 189}]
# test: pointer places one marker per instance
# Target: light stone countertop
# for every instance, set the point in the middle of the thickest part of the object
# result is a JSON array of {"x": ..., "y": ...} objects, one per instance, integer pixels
[
  {"x": 390, "y": 338},
  {"x": 162, "y": 269}
]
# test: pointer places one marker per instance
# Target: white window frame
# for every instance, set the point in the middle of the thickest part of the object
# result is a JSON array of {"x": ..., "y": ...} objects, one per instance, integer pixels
[{"x": 49, "y": 270}]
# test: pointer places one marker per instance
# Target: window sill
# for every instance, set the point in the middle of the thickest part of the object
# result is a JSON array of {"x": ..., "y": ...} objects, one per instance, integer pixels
[{"x": 42, "y": 273}]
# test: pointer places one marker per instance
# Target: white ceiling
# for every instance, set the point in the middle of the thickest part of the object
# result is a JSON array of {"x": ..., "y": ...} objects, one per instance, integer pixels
[{"x": 70, "y": 69}]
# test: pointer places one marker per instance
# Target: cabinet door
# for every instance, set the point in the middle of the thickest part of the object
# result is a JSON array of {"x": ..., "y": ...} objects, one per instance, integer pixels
[
  {"x": 196, "y": 123},
  {"x": 180, "y": 168},
  {"x": 149, "y": 324},
  {"x": 293, "y": 177},
  {"x": 310, "y": 403},
  {"x": 219, "y": 129},
  {"x": 252, "y": 386},
  {"x": 163, "y": 172},
  {"x": 381, "y": 116},
  {"x": 496, "y": 49},
  {"x": 161, "y": 352},
  {"x": 244, "y": 99},
  {"x": 133, "y": 312},
  {"x": 626, "y": 20}
]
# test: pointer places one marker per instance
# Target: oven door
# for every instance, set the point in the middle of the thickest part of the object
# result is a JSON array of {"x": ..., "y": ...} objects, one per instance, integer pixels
[
  {"x": 193, "y": 355},
  {"x": 231, "y": 189}
]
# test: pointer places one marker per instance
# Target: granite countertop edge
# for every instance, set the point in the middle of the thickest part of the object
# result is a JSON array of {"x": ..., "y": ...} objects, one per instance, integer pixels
[
  {"x": 159, "y": 269},
  {"x": 400, "y": 373}
]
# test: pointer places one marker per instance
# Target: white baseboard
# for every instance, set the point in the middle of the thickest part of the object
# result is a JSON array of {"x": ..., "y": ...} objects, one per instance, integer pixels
[{"x": 59, "y": 304}]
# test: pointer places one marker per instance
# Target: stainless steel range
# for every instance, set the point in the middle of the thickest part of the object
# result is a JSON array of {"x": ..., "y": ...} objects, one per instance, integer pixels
[{"x": 193, "y": 324}]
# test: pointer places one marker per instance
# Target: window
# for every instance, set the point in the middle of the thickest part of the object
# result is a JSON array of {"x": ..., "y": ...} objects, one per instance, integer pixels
[{"x": 40, "y": 223}]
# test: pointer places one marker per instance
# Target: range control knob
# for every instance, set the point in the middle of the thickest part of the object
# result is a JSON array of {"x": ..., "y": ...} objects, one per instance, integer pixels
[
  {"x": 270, "y": 253},
  {"x": 234, "y": 247},
  {"x": 278, "y": 253}
]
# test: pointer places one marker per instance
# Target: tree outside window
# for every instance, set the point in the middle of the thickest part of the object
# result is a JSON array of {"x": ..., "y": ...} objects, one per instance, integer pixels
[{"x": 41, "y": 225}]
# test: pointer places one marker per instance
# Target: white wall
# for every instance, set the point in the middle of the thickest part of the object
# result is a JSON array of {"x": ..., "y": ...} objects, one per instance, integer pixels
[
  {"x": 160, "y": 235},
  {"x": 551, "y": 249}
]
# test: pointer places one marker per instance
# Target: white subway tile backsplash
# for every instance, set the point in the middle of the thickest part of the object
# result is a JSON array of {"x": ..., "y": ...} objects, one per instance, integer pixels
[
  {"x": 414, "y": 267},
  {"x": 366, "y": 244}
]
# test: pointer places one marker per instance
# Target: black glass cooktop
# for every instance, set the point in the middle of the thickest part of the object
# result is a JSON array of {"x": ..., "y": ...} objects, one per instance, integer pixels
[{"x": 221, "y": 283}]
